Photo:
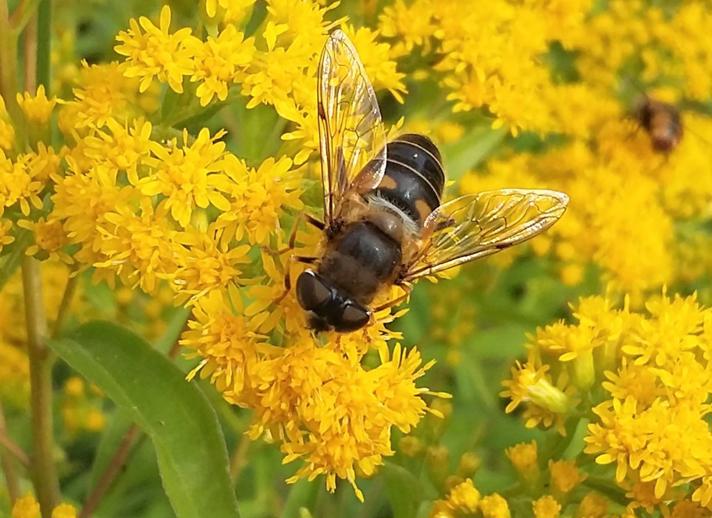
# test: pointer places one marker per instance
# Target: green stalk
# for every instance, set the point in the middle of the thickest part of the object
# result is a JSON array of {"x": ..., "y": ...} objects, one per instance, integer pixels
[
  {"x": 64, "y": 306},
  {"x": 44, "y": 41},
  {"x": 41, "y": 362},
  {"x": 8, "y": 464},
  {"x": 44, "y": 470}
]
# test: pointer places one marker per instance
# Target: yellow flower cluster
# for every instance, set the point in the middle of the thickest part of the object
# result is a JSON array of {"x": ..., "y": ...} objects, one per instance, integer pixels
[
  {"x": 140, "y": 192},
  {"x": 465, "y": 500},
  {"x": 136, "y": 199},
  {"x": 27, "y": 507},
  {"x": 488, "y": 54},
  {"x": 644, "y": 379},
  {"x": 318, "y": 400},
  {"x": 663, "y": 44},
  {"x": 635, "y": 213}
]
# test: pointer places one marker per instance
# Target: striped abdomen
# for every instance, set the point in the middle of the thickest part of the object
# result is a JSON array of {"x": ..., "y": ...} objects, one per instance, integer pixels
[{"x": 414, "y": 179}]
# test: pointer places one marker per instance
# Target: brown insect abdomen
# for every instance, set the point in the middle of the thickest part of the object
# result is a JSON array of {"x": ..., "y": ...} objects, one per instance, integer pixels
[{"x": 414, "y": 179}]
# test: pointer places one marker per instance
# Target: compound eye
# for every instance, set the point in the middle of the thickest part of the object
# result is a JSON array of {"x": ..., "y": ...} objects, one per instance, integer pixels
[
  {"x": 353, "y": 317},
  {"x": 312, "y": 291}
]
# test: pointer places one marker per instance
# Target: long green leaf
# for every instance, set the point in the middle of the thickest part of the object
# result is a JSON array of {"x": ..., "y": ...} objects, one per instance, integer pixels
[
  {"x": 403, "y": 489},
  {"x": 187, "y": 438}
]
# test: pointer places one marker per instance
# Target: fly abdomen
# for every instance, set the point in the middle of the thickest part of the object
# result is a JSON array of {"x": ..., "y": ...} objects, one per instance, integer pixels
[
  {"x": 361, "y": 260},
  {"x": 413, "y": 180},
  {"x": 419, "y": 152}
]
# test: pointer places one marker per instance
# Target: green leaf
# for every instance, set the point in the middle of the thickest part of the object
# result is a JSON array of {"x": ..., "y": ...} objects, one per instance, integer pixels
[
  {"x": 404, "y": 490},
  {"x": 468, "y": 152},
  {"x": 187, "y": 438}
]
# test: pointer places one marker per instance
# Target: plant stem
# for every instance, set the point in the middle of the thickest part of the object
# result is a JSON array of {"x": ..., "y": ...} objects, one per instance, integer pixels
[
  {"x": 22, "y": 14},
  {"x": 10, "y": 446},
  {"x": 112, "y": 470},
  {"x": 8, "y": 465},
  {"x": 69, "y": 290},
  {"x": 44, "y": 19},
  {"x": 30, "y": 53},
  {"x": 41, "y": 362},
  {"x": 239, "y": 456}
]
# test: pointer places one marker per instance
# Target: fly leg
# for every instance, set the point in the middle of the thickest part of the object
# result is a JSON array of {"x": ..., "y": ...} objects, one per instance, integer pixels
[
  {"x": 288, "y": 273},
  {"x": 291, "y": 244},
  {"x": 295, "y": 227}
]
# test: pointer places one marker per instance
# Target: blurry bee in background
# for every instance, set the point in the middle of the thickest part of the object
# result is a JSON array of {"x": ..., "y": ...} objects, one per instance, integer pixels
[
  {"x": 661, "y": 121},
  {"x": 384, "y": 222}
]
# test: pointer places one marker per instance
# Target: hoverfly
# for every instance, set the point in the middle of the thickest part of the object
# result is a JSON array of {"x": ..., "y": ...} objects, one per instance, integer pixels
[
  {"x": 385, "y": 223},
  {"x": 661, "y": 121}
]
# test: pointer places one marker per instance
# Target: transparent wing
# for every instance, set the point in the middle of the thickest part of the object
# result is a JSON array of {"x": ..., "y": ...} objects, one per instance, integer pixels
[
  {"x": 351, "y": 133},
  {"x": 482, "y": 224}
]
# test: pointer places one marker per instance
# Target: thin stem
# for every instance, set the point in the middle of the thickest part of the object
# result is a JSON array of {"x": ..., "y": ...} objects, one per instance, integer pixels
[
  {"x": 112, "y": 470},
  {"x": 8, "y": 465},
  {"x": 30, "y": 53},
  {"x": 22, "y": 14},
  {"x": 69, "y": 290},
  {"x": 10, "y": 446},
  {"x": 41, "y": 361},
  {"x": 44, "y": 43},
  {"x": 239, "y": 457}
]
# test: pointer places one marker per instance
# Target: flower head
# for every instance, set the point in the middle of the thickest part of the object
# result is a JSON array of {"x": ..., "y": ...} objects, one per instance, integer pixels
[
  {"x": 154, "y": 52},
  {"x": 37, "y": 108}
]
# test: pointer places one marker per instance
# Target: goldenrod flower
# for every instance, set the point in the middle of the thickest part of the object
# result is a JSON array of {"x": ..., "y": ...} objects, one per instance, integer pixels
[
  {"x": 464, "y": 497},
  {"x": 494, "y": 506},
  {"x": 153, "y": 52},
  {"x": 37, "y": 108},
  {"x": 231, "y": 11},
  {"x": 220, "y": 62},
  {"x": 593, "y": 505},
  {"x": 120, "y": 146},
  {"x": 203, "y": 265},
  {"x": 50, "y": 239},
  {"x": 524, "y": 458},
  {"x": 136, "y": 246},
  {"x": 546, "y": 401},
  {"x": 188, "y": 176},
  {"x": 82, "y": 200},
  {"x": 657, "y": 390},
  {"x": 64, "y": 511},
  {"x": 546, "y": 507},
  {"x": 257, "y": 198},
  {"x": 411, "y": 25},
  {"x": 27, "y": 507},
  {"x": 5, "y": 237},
  {"x": 375, "y": 57},
  {"x": 20, "y": 182},
  {"x": 687, "y": 509},
  {"x": 565, "y": 476},
  {"x": 103, "y": 94}
]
